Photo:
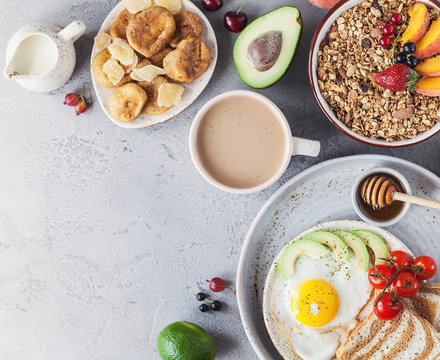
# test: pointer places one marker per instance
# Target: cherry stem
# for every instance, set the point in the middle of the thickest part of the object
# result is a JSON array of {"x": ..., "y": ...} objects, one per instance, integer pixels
[
  {"x": 233, "y": 291},
  {"x": 82, "y": 92},
  {"x": 241, "y": 7}
]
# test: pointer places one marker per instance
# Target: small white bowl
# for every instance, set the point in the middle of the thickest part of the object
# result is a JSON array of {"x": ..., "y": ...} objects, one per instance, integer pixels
[{"x": 366, "y": 217}]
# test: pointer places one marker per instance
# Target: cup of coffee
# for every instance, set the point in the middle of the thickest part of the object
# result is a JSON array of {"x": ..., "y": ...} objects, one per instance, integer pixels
[{"x": 241, "y": 142}]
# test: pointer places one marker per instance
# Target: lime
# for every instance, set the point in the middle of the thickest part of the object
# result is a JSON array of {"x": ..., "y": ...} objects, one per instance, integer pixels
[{"x": 185, "y": 341}]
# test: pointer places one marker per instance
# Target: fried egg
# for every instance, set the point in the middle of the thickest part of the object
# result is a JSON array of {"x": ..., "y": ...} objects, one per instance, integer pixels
[{"x": 318, "y": 306}]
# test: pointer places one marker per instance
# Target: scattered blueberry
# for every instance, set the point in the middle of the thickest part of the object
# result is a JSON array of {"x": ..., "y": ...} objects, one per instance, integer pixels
[
  {"x": 201, "y": 296},
  {"x": 411, "y": 62},
  {"x": 409, "y": 48},
  {"x": 216, "y": 305},
  {"x": 401, "y": 58},
  {"x": 203, "y": 307}
]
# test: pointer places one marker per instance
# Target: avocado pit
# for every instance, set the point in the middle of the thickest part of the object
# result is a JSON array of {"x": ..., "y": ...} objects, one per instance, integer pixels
[{"x": 264, "y": 50}]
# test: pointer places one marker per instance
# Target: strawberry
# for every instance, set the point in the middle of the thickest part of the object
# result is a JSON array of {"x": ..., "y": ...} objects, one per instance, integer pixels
[{"x": 397, "y": 78}]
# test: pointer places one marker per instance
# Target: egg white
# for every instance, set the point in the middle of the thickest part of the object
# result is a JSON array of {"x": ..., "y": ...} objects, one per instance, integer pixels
[{"x": 354, "y": 292}]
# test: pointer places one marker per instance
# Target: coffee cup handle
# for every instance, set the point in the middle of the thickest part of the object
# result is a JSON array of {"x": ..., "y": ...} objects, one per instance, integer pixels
[{"x": 301, "y": 146}]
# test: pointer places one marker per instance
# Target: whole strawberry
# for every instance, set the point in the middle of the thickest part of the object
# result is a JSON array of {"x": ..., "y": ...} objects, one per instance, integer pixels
[{"x": 397, "y": 78}]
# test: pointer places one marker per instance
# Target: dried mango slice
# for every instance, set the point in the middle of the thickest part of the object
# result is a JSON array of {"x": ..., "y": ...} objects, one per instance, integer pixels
[
  {"x": 173, "y": 6},
  {"x": 149, "y": 72},
  {"x": 102, "y": 41},
  {"x": 134, "y": 6},
  {"x": 121, "y": 51},
  {"x": 113, "y": 70},
  {"x": 170, "y": 94}
]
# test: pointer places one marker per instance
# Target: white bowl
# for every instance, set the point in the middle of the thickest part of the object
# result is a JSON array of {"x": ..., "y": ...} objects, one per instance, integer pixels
[
  {"x": 319, "y": 36},
  {"x": 366, "y": 217}
]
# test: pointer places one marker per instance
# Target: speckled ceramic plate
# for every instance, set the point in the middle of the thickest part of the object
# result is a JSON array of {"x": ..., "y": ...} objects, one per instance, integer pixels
[
  {"x": 319, "y": 194},
  {"x": 192, "y": 90},
  {"x": 279, "y": 340}
]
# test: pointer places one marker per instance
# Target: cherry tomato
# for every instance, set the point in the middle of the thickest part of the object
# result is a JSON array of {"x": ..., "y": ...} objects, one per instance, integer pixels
[
  {"x": 401, "y": 259},
  {"x": 378, "y": 279},
  {"x": 406, "y": 284},
  {"x": 426, "y": 267},
  {"x": 388, "y": 307}
]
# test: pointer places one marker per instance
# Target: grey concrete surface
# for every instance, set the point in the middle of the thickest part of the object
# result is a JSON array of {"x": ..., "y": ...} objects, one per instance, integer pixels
[{"x": 107, "y": 234}]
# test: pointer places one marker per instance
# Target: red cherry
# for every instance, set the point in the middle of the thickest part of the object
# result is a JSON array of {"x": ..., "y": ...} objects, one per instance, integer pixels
[
  {"x": 396, "y": 19},
  {"x": 388, "y": 29},
  {"x": 212, "y": 5},
  {"x": 80, "y": 107},
  {"x": 385, "y": 42},
  {"x": 71, "y": 99},
  {"x": 235, "y": 22}
]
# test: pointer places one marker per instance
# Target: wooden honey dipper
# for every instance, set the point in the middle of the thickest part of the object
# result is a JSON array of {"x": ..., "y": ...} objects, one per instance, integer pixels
[{"x": 379, "y": 192}]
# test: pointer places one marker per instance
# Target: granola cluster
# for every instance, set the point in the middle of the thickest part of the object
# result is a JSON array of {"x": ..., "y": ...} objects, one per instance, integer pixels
[{"x": 347, "y": 61}]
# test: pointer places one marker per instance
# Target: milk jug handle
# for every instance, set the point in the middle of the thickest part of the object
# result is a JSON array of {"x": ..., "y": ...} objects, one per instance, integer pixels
[{"x": 72, "y": 31}]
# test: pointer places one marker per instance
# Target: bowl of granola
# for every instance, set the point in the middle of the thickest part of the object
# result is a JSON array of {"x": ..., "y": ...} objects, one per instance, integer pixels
[{"x": 348, "y": 53}]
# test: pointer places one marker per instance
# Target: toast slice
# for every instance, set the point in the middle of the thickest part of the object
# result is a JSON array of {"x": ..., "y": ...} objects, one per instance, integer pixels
[
  {"x": 408, "y": 337},
  {"x": 427, "y": 303}
]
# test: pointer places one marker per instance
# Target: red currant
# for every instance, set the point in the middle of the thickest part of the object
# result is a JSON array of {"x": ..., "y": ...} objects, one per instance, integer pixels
[
  {"x": 388, "y": 30},
  {"x": 71, "y": 99},
  {"x": 217, "y": 284},
  {"x": 396, "y": 19},
  {"x": 80, "y": 107},
  {"x": 385, "y": 42}
]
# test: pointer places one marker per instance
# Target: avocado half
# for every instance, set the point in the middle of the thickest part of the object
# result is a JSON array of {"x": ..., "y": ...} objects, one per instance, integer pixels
[{"x": 265, "y": 48}]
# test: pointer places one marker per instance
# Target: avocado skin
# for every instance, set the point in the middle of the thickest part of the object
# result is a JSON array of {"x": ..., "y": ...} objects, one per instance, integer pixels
[{"x": 283, "y": 72}]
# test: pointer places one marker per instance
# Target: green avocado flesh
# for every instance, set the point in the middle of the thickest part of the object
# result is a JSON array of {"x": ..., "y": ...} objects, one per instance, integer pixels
[
  {"x": 376, "y": 243},
  {"x": 356, "y": 244},
  {"x": 265, "y": 48},
  {"x": 299, "y": 248}
]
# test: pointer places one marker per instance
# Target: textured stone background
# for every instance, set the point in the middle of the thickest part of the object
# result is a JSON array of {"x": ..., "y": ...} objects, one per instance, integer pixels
[{"x": 106, "y": 234}]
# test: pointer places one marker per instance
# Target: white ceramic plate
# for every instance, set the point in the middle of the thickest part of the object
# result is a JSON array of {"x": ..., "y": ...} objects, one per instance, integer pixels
[
  {"x": 319, "y": 194},
  {"x": 278, "y": 338},
  {"x": 192, "y": 90}
]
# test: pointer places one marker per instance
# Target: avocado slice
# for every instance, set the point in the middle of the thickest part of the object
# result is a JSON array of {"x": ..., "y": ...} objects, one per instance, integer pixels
[
  {"x": 376, "y": 243},
  {"x": 302, "y": 247},
  {"x": 265, "y": 48},
  {"x": 356, "y": 244},
  {"x": 331, "y": 240}
]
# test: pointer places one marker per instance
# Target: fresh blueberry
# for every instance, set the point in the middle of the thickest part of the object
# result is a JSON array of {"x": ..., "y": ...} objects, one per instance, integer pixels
[
  {"x": 216, "y": 305},
  {"x": 201, "y": 296},
  {"x": 411, "y": 62},
  {"x": 409, "y": 48},
  {"x": 203, "y": 308},
  {"x": 401, "y": 58}
]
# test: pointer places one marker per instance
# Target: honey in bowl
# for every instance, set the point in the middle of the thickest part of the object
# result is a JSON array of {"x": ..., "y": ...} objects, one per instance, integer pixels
[{"x": 375, "y": 201}]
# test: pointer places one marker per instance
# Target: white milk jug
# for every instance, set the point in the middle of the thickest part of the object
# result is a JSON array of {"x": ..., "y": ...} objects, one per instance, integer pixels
[{"x": 41, "y": 57}]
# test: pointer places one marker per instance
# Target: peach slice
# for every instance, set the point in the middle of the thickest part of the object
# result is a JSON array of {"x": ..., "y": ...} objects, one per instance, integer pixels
[
  {"x": 430, "y": 43},
  {"x": 418, "y": 23},
  {"x": 429, "y": 86},
  {"x": 429, "y": 67}
]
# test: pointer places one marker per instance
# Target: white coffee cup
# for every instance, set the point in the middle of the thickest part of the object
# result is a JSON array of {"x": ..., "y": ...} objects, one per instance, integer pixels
[{"x": 293, "y": 145}]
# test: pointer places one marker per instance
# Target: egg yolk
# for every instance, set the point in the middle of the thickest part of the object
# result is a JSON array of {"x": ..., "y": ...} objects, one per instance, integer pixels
[{"x": 316, "y": 303}]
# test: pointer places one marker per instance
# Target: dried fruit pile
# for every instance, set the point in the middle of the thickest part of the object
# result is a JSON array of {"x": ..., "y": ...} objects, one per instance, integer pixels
[{"x": 147, "y": 47}]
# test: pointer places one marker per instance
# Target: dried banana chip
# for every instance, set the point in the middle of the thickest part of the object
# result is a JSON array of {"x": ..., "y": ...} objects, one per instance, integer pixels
[
  {"x": 121, "y": 51},
  {"x": 170, "y": 94},
  {"x": 134, "y": 6},
  {"x": 127, "y": 101},
  {"x": 173, "y": 6},
  {"x": 113, "y": 70},
  {"x": 149, "y": 72},
  {"x": 102, "y": 41}
]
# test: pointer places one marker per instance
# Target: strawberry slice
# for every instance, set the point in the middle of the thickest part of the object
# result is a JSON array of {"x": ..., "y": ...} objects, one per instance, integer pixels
[{"x": 397, "y": 78}]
